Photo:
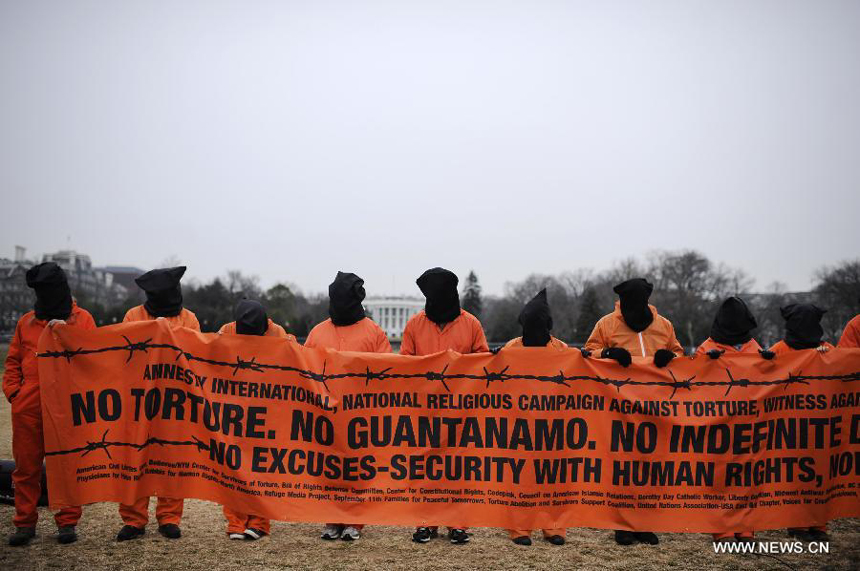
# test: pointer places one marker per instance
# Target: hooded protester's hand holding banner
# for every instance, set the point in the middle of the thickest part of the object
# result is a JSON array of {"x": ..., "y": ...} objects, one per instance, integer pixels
[{"x": 527, "y": 438}]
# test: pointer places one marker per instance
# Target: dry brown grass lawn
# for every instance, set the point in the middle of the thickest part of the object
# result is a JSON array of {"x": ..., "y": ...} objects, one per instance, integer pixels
[{"x": 204, "y": 546}]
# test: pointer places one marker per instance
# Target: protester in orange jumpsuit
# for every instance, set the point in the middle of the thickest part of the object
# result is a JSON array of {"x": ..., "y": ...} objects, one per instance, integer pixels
[
  {"x": 634, "y": 328},
  {"x": 163, "y": 301},
  {"x": 347, "y": 329},
  {"x": 251, "y": 319},
  {"x": 53, "y": 305},
  {"x": 851, "y": 336},
  {"x": 803, "y": 331},
  {"x": 731, "y": 334},
  {"x": 536, "y": 321},
  {"x": 442, "y": 326}
]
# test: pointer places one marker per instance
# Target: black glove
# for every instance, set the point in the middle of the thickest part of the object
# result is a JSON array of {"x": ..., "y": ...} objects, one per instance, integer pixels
[
  {"x": 766, "y": 354},
  {"x": 495, "y": 350},
  {"x": 617, "y": 354},
  {"x": 585, "y": 353},
  {"x": 662, "y": 357},
  {"x": 715, "y": 353}
]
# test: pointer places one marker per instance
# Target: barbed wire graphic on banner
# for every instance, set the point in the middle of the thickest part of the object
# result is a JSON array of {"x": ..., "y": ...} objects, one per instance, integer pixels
[{"x": 443, "y": 377}]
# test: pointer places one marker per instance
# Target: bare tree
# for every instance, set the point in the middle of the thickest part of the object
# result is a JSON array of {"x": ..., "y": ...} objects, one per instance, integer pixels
[
  {"x": 689, "y": 288},
  {"x": 562, "y": 301},
  {"x": 771, "y": 327},
  {"x": 170, "y": 261},
  {"x": 838, "y": 291},
  {"x": 241, "y": 285}
]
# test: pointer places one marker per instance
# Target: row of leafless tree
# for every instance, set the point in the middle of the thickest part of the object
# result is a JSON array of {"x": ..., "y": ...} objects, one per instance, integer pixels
[{"x": 688, "y": 288}]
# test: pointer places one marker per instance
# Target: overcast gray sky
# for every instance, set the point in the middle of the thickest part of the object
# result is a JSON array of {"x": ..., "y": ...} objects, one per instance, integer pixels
[{"x": 294, "y": 139}]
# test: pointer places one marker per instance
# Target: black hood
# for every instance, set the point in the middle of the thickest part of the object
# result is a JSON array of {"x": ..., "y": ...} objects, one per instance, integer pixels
[
  {"x": 345, "y": 295},
  {"x": 251, "y": 318},
  {"x": 163, "y": 292},
  {"x": 634, "y": 296},
  {"x": 439, "y": 287},
  {"x": 53, "y": 296},
  {"x": 734, "y": 323},
  {"x": 536, "y": 321},
  {"x": 802, "y": 325}
]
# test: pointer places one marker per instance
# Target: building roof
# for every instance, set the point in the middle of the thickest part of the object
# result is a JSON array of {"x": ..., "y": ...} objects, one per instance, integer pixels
[
  {"x": 121, "y": 270},
  {"x": 8, "y": 268}
]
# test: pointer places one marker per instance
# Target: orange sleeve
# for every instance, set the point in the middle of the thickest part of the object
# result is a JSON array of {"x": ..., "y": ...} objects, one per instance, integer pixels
[
  {"x": 12, "y": 374},
  {"x": 479, "y": 340},
  {"x": 704, "y": 347},
  {"x": 127, "y": 317},
  {"x": 851, "y": 336},
  {"x": 85, "y": 320},
  {"x": 311, "y": 340},
  {"x": 597, "y": 340},
  {"x": 191, "y": 322},
  {"x": 407, "y": 344},
  {"x": 382, "y": 343},
  {"x": 780, "y": 348},
  {"x": 673, "y": 345}
]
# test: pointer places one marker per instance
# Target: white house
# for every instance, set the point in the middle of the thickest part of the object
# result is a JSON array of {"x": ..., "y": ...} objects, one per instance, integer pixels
[{"x": 392, "y": 313}]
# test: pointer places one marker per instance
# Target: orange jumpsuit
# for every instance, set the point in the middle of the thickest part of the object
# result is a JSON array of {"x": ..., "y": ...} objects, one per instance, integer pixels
[
  {"x": 612, "y": 331},
  {"x": 851, "y": 336},
  {"x": 167, "y": 510},
  {"x": 21, "y": 387},
  {"x": 750, "y": 346},
  {"x": 238, "y": 522},
  {"x": 424, "y": 337},
  {"x": 273, "y": 330},
  {"x": 558, "y": 345},
  {"x": 363, "y": 335},
  {"x": 781, "y": 348},
  {"x": 463, "y": 335}
]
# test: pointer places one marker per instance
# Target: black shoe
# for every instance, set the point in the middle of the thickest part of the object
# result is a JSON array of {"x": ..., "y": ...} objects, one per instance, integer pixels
[
  {"x": 624, "y": 537},
  {"x": 66, "y": 535},
  {"x": 746, "y": 540},
  {"x": 523, "y": 540},
  {"x": 723, "y": 540},
  {"x": 253, "y": 534},
  {"x": 802, "y": 534},
  {"x": 22, "y": 536},
  {"x": 170, "y": 531},
  {"x": 555, "y": 539},
  {"x": 424, "y": 534},
  {"x": 459, "y": 536},
  {"x": 130, "y": 532},
  {"x": 818, "y": 535},
  {"x": 646, "y": 537}
]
